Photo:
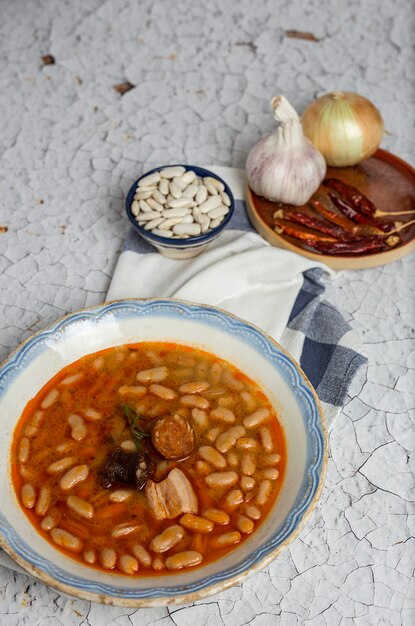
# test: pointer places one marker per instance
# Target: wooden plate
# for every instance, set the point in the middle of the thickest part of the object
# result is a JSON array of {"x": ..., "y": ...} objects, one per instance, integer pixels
[{"x": 384, "y": 178}]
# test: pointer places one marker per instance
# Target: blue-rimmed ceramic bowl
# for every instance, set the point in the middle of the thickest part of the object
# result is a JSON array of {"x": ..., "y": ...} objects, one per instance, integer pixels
[
  {"x": 121, "y": 322},
  {"x": 179, "y": 248}
]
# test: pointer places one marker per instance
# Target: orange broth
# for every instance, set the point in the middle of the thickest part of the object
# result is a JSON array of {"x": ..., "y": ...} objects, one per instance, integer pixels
[{"x": 101, "y": 376}]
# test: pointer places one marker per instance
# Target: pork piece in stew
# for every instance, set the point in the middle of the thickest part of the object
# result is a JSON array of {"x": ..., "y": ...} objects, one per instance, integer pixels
[{"x": 148, "y": 459}]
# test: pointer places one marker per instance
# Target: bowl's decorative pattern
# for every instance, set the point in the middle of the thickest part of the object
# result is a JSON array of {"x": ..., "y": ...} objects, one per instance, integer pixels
[{"x": 253, "y": 337}]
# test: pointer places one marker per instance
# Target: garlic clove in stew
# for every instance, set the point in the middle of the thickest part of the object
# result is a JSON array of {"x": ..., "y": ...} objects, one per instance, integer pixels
[{"x": 285, "y": 166}]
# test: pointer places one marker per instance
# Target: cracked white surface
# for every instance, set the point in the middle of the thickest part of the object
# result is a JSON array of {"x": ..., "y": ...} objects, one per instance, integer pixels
[{"x": 70, "y": 146}]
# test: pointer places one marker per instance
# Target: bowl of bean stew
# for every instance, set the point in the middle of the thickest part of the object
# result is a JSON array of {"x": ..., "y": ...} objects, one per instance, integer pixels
[
  {"x": 154, "y": 452},
  {"x": 179, "y": 209}
]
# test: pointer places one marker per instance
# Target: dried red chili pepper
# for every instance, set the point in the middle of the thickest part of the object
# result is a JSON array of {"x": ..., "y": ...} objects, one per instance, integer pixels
[
  {"x": 321, "y": 226},
  {"x": 369, "y": 244},
  {"x": 287, "y": 228},
  {"x": 353, "y": 214},
  {"x": 335, "y": 218},
  {"x": 352, "y": 195}
]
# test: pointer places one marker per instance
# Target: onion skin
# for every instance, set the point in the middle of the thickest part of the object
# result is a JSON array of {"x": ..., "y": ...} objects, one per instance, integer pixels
[{"x": 345, "y": 127}]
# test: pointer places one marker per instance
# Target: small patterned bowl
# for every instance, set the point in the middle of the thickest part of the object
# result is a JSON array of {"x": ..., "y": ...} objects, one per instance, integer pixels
[
  {"x": 44, "y": 354},
  {"x": 180, "y": 248}
]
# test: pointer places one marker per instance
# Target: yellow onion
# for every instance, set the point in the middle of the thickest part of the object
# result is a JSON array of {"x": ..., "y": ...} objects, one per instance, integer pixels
[{"x": 345, "y": 127}]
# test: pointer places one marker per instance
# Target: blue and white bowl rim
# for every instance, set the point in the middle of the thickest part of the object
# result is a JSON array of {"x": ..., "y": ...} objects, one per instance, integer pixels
[{"x": 255, "y": 338}]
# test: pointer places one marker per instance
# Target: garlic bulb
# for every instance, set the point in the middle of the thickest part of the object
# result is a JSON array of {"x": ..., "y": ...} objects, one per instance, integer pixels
[
  {"x": 345, "y": 127},
  {"x": 285, "y": 166}
]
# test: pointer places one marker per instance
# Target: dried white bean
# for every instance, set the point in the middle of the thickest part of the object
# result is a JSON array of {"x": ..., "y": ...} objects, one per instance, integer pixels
[
  {"x": 73, "y": 477},
  {"x": 188, "y": 558},
  {"x": 162, "y": 233},
  {"x": 220, "y": 211},
  {"x": 156, "y": 206},
  {"x": 167, "y": 539},
  {"x": 201, "y": 194},
  {"x": 135, "y": 208},
  {"x": 67, "y": 540},
  {"x": 144, "y": 206},
  {"x": 169, "y": 223},
  {"x": 154, "y": 375},
  {"x": 211, "y": 189},
  {"x": 128, "y": 564},
  {"x": 147, "y": 217},
  {"x": 222, "y": 479},
  {"x": 212, "y": 456},
  {"x": 171, "y": 172},
  {"x": 187, "y": 229},
  {"x": 177, "y": 212},
  {"x": 180, "y": 182},
  {"x": 179, "y": 203},
  {"x": 215, "y": 223},
  {"x": 153, "y": 223},
  {"x": 211, "y": 203},
  {"x": 190, "y": 191},
  {"x": 225, "y": 198},
  {"x": 80, "y": 507},
  {"x": 189, "y": 177},
  {"x": 188, "y": 219},
  {"x": 143, "y": 194},
  {"x": 256, "y": 418},
  {"x": 205, "y": 223},
  {"x": 164, "y": 187},
  {"x": 159, "y": 197},
  {"x": 175, "y": 190},
  {"x": 217, "y": 184},
  {"x": 149, "y": 180}
]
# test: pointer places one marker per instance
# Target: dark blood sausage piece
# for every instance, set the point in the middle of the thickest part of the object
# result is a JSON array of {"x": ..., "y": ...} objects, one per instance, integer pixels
[
  {"x": 173, "y": 437},
  {"x": 133, "y": 468}
]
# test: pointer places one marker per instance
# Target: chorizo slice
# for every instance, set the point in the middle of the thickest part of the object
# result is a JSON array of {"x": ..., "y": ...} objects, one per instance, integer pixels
[{"x": 173, "y": 437}]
